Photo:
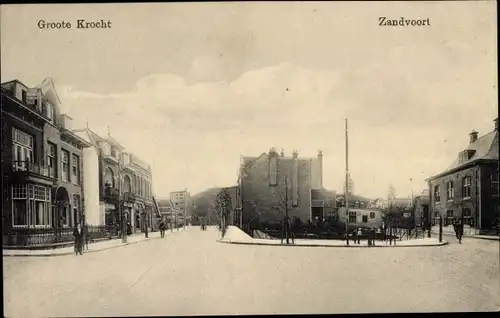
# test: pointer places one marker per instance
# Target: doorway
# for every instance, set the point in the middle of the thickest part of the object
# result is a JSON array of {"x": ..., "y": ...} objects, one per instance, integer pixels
[{"x": 316, "y": 212}]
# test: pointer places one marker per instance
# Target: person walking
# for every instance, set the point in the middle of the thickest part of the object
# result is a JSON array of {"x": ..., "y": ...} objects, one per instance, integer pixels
[
  {"x": 459, "y": 230},
  {"x": 360, "y": 233},
  {"x": 78, "y": 235},
  {"x": 161, "y": 226}
]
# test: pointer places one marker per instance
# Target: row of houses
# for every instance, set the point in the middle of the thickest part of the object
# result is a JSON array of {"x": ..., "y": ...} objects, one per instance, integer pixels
[{"x": 54, "y": 176}]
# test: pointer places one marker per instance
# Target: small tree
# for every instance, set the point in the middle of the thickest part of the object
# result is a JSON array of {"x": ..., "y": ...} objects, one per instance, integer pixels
[{"x": 223, "y": 207}]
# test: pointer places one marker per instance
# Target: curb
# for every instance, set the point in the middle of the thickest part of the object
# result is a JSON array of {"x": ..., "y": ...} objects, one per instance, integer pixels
[
  {"x": 325, "y": 245},
  {"x": 71, "y": 253},
  {"x": 474, "y": 237}
]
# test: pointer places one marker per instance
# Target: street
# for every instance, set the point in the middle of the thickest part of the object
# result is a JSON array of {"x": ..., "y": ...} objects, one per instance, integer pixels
[{"x": 189, "y": 273}]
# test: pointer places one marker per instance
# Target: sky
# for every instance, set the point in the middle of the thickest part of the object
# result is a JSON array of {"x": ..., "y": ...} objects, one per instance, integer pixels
[{"x": 190, "y": 87}]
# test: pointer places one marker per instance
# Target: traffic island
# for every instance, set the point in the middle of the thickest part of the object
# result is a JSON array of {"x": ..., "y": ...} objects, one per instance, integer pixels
[{"x": 236, "y": 236}]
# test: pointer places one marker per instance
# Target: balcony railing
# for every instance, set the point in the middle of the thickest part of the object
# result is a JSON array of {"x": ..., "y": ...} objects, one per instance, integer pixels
[
  {"x": 30, "y": 167},
  {"x": 110, "y": 193}
]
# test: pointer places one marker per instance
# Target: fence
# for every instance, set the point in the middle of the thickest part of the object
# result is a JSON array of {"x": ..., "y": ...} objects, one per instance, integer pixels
[{"x": 27, "y": 237}]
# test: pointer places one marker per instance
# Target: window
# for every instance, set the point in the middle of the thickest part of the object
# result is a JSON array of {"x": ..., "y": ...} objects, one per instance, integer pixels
[
  {"x": 30, "y": 205},
  {"x": 65, "y": 165},
  {"x": 437, "y": 194},
  {"x": 76, "y": 206},
  {"x": 449, "y": 191},
  {"x": 50, "y": 112},
  {"x": 352, "y": 217},
  {"x": 51, "y": 160},
  {"x": 42, "y": 205},
  {"x": 22, "y": 149},
  {"x": 75, "y": 171},
  {"x": 449, "y": 218},
  {"x": 109, "y": 177},
  {"x": 466, "y": 187},
  {"x": 467, "y": 217},
  {"x": 24, "y": 96},
  {"x": 19, "y": 205},
  {"x": 113, "y": 152},
  {"x": 365, "y": 218},
  {"x": 372, "y": 215},
  {"x": 494, "y": 183}
]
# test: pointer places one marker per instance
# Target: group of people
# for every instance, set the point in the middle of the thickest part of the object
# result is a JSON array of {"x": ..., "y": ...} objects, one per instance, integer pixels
[{"x": 358, "y": 234}]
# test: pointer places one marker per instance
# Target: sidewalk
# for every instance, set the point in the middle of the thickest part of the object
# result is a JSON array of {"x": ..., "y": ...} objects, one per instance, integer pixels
[
  {"x": 236, "y": 236},
  {"x": 479, "y": 237},
  {"x": 93, "y": 247}
]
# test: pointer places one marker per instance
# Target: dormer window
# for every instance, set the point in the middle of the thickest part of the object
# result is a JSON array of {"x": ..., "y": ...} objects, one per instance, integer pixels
[
  {"x": 49, "y": 111},
  {"x": 466, "y": 155}
]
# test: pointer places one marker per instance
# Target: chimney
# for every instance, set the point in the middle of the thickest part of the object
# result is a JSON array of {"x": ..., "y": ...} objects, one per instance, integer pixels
[
  {"x": 496, "y": 123},
  {"x": 282, "y": 153},
  {"x": 320, "y": 168},
  {"x": 295, "y": 154},
  {"x": 473, "y": 136}
]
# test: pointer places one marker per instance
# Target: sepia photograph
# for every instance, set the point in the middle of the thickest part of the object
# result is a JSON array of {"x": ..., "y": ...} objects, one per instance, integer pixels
[{"x": 249, "y": 158}]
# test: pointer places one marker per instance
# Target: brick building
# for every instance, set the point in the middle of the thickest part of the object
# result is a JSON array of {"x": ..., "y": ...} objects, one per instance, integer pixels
[
  {"x": 42, "y": 164},
  {"x": 263, "y": 191},
  {"x": 469, "y": 187}
]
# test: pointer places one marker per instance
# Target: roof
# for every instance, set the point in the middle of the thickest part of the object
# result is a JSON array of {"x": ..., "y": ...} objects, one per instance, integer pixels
[
  {"x": 247, "y": 162},
  {"x": 48, "y": 85},
  {"x": 485, "y": 148},
  {"x": 114, "y": 142}
]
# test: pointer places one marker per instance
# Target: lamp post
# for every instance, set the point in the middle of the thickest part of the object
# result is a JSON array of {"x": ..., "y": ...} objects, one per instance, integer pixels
[
  {"x": 286, "y": 212},
  {"x": 346, "y": 192}
]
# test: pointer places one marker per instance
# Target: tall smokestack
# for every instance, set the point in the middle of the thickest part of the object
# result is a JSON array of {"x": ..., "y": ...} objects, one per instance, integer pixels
[{"x": 320, "y": 168}]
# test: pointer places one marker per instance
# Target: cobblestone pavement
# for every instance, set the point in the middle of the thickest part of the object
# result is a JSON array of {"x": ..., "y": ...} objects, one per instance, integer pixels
[{"x": 191, "y": 274}]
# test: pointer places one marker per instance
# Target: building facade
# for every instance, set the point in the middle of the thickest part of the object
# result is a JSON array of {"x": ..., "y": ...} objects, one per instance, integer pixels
[
  {"x": 116, "y": 179},
  {"x": 42, "y": 163},
  {"x": 361, "y": 217},
  {"x": 268, "y": 181},
  {"x": 180, "y": 202},
  {"x": 468, "y": 188}
]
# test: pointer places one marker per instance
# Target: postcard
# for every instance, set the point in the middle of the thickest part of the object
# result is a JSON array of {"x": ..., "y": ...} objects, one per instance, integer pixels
[{"x": 241, "y": 158}]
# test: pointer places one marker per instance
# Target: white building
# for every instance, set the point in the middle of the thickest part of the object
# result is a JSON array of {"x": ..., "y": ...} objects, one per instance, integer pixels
[
  {"x": 365, "y": 217},
  {"x": 180, "y": 201}
]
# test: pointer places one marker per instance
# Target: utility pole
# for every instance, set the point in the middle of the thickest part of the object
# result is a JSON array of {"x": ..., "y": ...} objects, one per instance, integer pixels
[
  {"x": 286, "y": 210},
  {"x": 346, "y": 192}
]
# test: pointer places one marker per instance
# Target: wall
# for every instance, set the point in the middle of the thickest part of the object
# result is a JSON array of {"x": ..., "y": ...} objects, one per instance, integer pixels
[
  {"x": 260, "y": 198},
  {"x": 488, "y": 203},
  {"x": 489, "y": 200},
  {"x": 91, "y": 186}
]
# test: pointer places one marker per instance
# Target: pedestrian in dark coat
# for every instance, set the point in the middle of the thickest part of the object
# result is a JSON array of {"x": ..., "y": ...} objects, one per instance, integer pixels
[
  {"x": 78, "y": 235},
  {"x": 162, "y": 228},
  {"x": 459, "y": 230}
]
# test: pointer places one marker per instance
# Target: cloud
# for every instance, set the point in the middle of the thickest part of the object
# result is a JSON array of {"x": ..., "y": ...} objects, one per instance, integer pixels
[{"x": 193, "y": 134}]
